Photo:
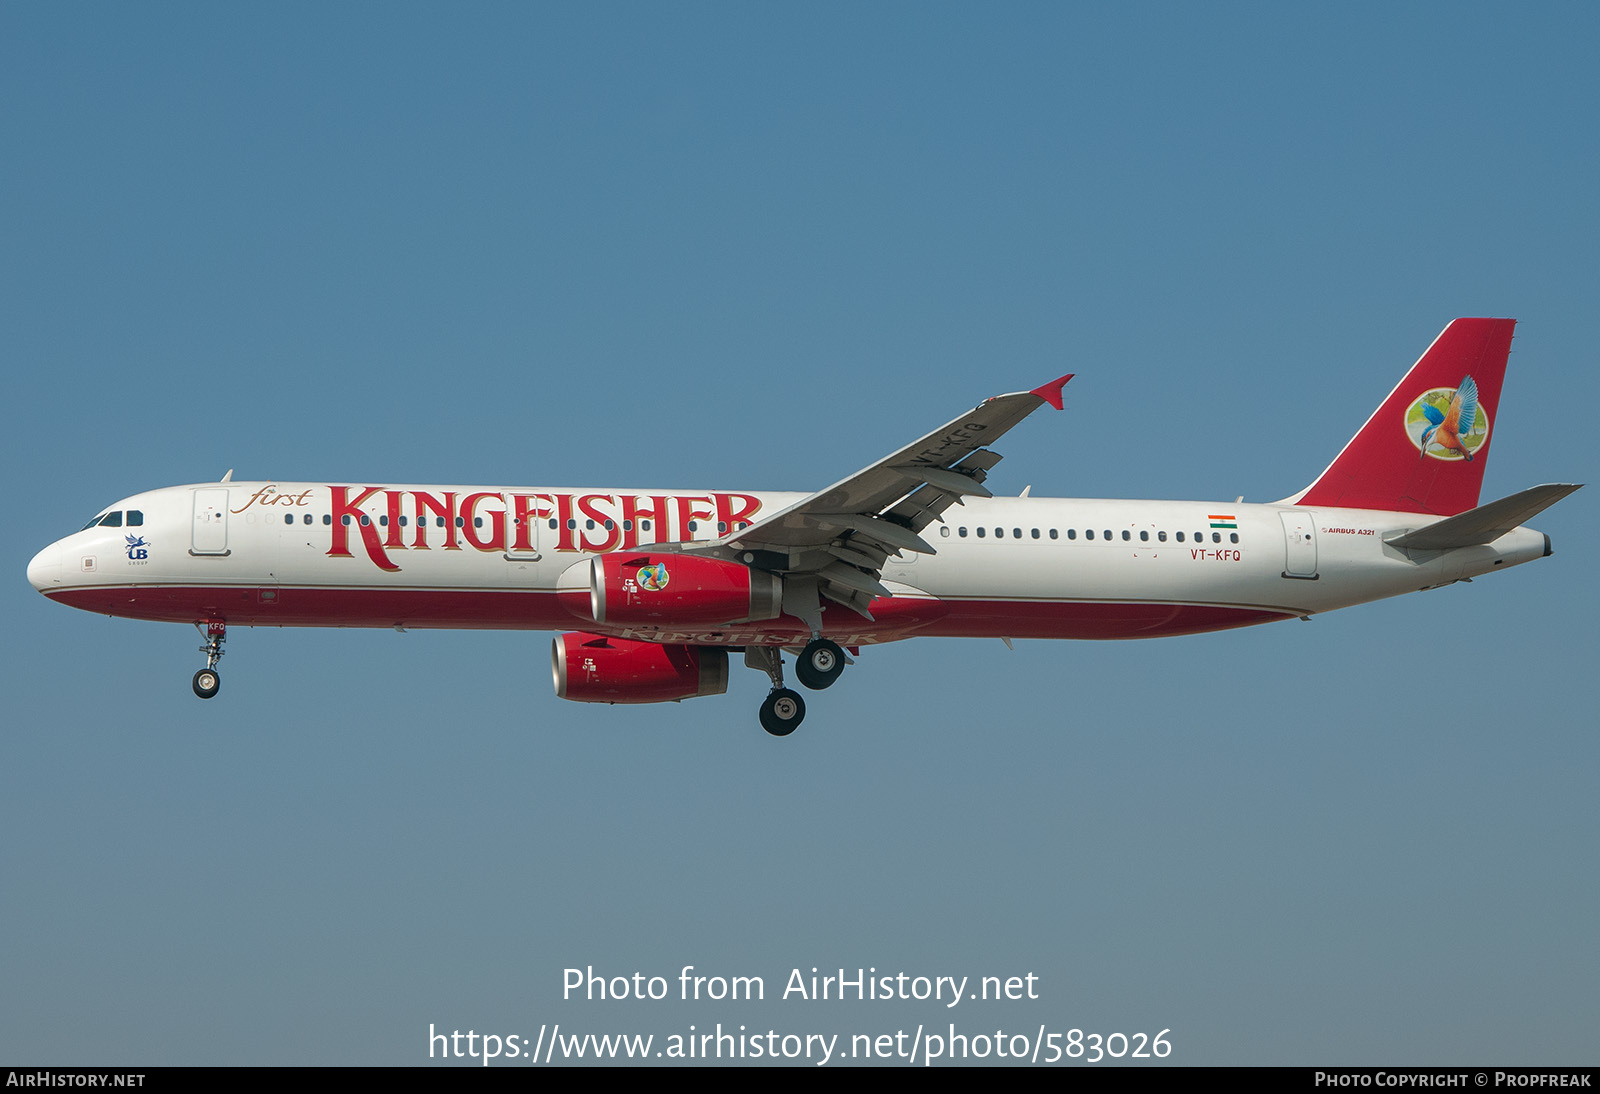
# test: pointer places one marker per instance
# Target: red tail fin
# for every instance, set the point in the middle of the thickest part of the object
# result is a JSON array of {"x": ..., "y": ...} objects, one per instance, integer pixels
[{"x": 1424, "y": 449}]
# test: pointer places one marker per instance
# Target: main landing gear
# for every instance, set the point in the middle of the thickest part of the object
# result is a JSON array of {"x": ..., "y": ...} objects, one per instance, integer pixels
[
  {"x": 818, "y": 666},
  {"x": 782, "y": 711},
  {"x": 208, "y": 679}
]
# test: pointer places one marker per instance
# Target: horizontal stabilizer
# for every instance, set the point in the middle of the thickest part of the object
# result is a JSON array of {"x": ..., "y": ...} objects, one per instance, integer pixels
[{"x": 1486, "y": 523}]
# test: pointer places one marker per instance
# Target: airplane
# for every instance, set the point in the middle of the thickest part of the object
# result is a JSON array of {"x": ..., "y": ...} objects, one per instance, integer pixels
[{"x": 654, "y": 589}]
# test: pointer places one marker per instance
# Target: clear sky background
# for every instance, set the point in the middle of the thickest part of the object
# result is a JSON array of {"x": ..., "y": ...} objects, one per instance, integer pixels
[{"x": 735, "y": 246}]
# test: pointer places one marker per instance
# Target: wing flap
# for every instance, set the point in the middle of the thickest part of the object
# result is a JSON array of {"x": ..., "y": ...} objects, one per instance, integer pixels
[
  {"x": 928, "y": 502},
  {"x": 893, "y": 536},
  {"x": 950, "y": 482},
  {"x": 839, "y": 573}
]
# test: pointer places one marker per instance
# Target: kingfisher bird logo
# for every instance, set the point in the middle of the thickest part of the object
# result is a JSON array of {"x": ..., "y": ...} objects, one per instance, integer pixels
[
  {"x": 653, "y": 578},
  {"x": 1447, "y": 423}
]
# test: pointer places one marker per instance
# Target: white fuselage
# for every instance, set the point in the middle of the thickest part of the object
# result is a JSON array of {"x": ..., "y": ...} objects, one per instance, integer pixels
[{"x": 318, "y": 554}]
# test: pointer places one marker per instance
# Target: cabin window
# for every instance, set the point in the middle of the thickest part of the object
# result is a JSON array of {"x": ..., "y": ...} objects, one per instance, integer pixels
[
  {"x": 944, "y": 530},
  {"x": 461, "y": 522},
  {"x": 288, "y": 518},
  {"x": 999, "y": 533},
  {"x": 477, "y": 522},
  {"x": 571, "y": 524},
  {"x": 1144, "y": 537},
  {"x": 1126, "y": 535},
  {"x": 1053, "y": 534},
  {"x": 1216, "y": 537},
  {"x": 693, "y": 525},
  {"x": 644, "y": 525},
  {"x": 962, "y": 532},
  {"x": 1036, "y": 533},
  {"x": 627, "y": 525},
  {"x": 980, "y": 533},
  {"x": 1180, "y": 537},
  {"x": 1233, "y": 537},
  {"x": 307, "y": 519},
  {"x": 1088, "y": 533},
  {"x": 1162, "y": 536},
  {"x": 552, "y": 524},
  {"x": 438, "y": 522},
  {"x": 366, "y": 521},
  {"x": 722, "y": 526},
  {"x": 384, "y": 520},
  {"x": 402, "y": 522},
  {"x": 1072, "y": 533}
]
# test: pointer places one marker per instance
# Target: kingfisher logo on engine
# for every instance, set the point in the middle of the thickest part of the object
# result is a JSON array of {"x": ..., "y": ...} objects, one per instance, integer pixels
[{"x": 654, "y": 578}]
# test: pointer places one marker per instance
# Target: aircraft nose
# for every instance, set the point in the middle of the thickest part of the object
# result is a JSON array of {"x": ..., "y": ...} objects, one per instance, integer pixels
[{"x": 44, "y": 572}]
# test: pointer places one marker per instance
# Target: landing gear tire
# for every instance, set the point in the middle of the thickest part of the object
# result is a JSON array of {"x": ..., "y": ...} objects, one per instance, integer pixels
[
  {"x": 782, "y": 712},
  {"x": 206, "y": 683},
  {"x": 819, "y": 664}
]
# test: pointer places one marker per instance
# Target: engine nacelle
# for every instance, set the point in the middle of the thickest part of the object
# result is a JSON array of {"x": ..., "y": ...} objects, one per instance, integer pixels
[
  {"x": 671, "y": 590},
  {"x": 591, "y": 669}
]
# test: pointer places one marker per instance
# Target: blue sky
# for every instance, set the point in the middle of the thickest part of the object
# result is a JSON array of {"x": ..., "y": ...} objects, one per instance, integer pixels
[{"x": 733, "y": 246}]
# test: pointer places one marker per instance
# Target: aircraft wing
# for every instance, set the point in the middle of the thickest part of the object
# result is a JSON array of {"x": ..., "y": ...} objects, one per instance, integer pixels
[{"x": 843, "y": 534}]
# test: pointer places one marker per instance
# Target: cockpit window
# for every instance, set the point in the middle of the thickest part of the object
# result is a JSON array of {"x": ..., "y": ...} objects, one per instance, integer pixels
[{"x": 113, "y": 519}]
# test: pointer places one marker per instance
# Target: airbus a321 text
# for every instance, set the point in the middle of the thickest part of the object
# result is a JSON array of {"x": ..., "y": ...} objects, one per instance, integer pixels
[{"x": 658, "y": 587}]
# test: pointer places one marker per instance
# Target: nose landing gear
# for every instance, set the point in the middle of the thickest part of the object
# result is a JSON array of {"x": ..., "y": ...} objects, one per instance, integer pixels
[
  {"x": 206, "y": 683},
  {"x": 208, "y": 680}
]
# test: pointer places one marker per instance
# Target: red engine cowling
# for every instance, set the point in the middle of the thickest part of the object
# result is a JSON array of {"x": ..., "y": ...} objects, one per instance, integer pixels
[
  {"x": 592, "y": 669},
  {"x": 673, "y": 590}
]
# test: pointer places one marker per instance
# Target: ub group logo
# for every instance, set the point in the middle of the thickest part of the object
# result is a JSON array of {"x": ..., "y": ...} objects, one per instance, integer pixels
[
  {"x": 1447, "y": 423},
  {"x": 653, "y": 578},
  {"x": 136, "y": 548}
]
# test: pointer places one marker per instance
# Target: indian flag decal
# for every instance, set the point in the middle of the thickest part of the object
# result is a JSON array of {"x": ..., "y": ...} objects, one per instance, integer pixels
[{"x": 1221, "y": 520}]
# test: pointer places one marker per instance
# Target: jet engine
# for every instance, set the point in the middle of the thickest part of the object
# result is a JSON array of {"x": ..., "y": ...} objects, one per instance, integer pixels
[
  {"x": 669, "y": 590},
  {"x": 589, "y": 668}
]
